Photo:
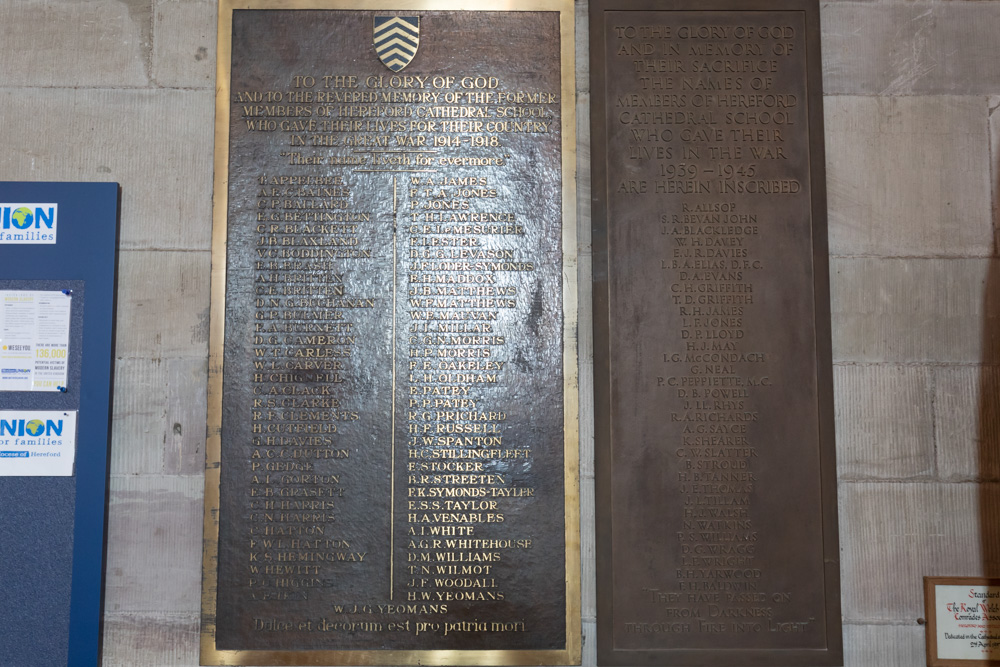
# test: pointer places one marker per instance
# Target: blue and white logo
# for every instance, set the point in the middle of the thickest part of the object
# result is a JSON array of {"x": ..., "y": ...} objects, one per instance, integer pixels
[
  {"x": 31, "y": 427},
  {"x": 28, "y": 223}
]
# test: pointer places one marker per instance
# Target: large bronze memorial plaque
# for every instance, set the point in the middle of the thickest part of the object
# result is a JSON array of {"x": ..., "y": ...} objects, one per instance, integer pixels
[
  {"x": 716, "y": 485},
  {"x": 392, "y": 456}
]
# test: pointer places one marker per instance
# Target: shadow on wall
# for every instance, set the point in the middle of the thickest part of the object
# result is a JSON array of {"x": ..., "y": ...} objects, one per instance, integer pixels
[{"x": 988, "y": 428}]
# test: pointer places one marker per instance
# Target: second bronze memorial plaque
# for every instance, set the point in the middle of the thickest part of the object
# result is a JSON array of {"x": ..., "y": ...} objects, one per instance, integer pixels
[
  {"x": 392, "y": 456},
  {"x": 716, "y": 484}
]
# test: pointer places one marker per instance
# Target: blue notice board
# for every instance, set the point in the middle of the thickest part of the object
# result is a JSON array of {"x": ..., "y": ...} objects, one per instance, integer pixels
[{"x": 60, "y": 237}]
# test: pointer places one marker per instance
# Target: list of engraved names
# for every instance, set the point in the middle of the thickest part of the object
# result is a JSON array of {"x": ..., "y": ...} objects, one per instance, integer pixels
[
  {"x": 390, "y": 478},
  {"x": 708, "y": 191}
]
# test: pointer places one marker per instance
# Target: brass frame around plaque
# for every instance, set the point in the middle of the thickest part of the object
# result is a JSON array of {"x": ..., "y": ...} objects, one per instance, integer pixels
[{"x": 571, "y": 653}]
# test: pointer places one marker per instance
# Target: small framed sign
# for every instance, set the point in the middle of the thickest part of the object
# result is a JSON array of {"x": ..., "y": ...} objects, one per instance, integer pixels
[{"x": 963, "y": 621}]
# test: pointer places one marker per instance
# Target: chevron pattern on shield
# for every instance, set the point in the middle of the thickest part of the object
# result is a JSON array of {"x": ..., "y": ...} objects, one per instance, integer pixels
[{"x": 396, "y": 39}]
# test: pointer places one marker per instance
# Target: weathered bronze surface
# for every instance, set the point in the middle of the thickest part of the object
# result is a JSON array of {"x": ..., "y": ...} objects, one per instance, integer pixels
[
  {"x": 384, "y": 484},
  {"x": 716, "y": 493}
]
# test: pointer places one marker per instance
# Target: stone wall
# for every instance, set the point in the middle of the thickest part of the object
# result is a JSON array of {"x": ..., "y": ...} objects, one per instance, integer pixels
[
  {"x": 122, "y": 90},
  {"x": 915, "y": 291}
]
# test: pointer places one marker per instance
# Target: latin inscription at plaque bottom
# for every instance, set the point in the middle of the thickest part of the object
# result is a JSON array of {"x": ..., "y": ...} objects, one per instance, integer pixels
[
  {"x": 389, "y": 488},
  {"x": 716, "y": 496}
]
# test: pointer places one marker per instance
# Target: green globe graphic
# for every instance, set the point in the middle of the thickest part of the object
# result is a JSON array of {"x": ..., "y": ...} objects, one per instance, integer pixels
[
  {"x": 22, "y": 217},
  {"x": 35, "y": 427}
]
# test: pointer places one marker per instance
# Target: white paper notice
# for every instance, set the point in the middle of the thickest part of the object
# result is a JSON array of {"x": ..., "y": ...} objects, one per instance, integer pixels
[
  {"x": 36, "y": 443},
  {"x": 34, "y": 340},
  {"x": 968, "y": 622}
]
